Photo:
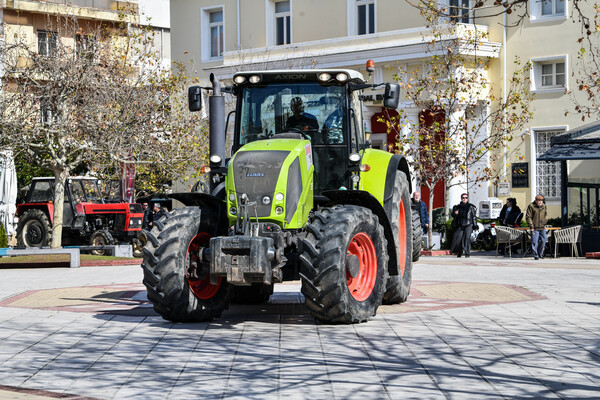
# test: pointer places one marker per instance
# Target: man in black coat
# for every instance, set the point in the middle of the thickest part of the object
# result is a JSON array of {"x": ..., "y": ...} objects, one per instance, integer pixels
[
  {"x": 463, "y": 223},
  {"x": 158, "y": 213},
  {"x": 147, "y": 221}
]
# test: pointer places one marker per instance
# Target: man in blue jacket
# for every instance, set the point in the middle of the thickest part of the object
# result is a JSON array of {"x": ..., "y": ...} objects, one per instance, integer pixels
[{"x": 420, "y": 205}]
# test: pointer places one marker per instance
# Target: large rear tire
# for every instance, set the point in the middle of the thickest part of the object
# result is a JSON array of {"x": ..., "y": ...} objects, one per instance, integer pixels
[
  {"x": 177, "y": 287},
  {"x": 417, "y": 234},
  {"x": 34, "y": 229},
  {"x": 398, "y": 286},
  {"x": 343, "y": 264}
]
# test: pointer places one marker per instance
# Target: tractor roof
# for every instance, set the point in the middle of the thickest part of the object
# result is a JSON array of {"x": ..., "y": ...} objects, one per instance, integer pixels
[
  {"x": 301, "y": 74},
  {"x": 45, "y": 178}
]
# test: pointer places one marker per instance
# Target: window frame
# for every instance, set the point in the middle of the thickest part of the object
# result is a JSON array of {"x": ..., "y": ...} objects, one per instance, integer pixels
[
  {"x": 543, "y": 169},
  {"x": 537, "y": 75},
  {"x": 287, "y": 23},
  {"x": 353, "y": 15},
  {"x": 464, "y": 16},
  {"x": 536, "y": 11},
  {"x": 206, "y": 32},
  {"x": 85, "y": 45},
  {"x": 49, "y": 49},
  {"x": 369, "y": 30}
]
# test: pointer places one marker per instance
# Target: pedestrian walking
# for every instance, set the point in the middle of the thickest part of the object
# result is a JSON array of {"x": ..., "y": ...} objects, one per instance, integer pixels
[
  {"x": 464, "y": 222},
  {"x": 537, "y": 217},
  {"x": 422, "y": 208}
]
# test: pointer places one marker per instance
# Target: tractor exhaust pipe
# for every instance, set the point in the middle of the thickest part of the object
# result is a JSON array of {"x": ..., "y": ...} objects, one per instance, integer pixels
[{"x": 216, "y": 120}]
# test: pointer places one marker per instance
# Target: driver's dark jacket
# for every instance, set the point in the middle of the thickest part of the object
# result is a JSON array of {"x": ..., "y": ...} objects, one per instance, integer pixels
[
  {"x": 466, "y": 215},
  {"x": 304, "y": 122}
]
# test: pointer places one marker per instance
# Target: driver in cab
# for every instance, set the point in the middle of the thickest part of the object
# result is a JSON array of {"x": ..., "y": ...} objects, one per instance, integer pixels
[{"x": 300, "y": 120}]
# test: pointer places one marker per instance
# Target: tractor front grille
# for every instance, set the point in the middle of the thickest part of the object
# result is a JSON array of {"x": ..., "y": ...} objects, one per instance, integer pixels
[{"x": 256, "y": 174}]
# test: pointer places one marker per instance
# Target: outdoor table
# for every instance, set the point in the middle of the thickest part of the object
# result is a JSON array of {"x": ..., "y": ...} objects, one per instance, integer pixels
[{"x": 527, "y": 238}]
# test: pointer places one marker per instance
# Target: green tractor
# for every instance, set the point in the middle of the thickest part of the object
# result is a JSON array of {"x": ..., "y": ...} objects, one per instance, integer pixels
[{"x": 303, "y": 197}]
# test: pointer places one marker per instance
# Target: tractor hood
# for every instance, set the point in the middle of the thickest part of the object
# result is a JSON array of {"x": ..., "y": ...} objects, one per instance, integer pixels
[{"x": 276, "y": 177}]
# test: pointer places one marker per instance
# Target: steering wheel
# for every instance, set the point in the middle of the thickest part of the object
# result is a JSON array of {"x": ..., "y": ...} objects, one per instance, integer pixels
[{"x": 304, "y": 133}]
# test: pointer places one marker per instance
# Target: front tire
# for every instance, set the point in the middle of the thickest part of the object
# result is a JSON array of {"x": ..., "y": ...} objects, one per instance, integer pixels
[
  {"x": 344, "y": 264},
  {"x": 398, "y": 286},
  {"x": 101, "y": 238},
  {"x": 176, "y": 284},
  {"x": 34, "y": 229}
]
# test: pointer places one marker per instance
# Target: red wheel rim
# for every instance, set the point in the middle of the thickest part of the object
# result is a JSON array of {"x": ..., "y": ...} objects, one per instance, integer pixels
[
  {"x": 362, "y": 286},
  {"x": 402, "y": 238},
  {"x": 201, "y": 288}
]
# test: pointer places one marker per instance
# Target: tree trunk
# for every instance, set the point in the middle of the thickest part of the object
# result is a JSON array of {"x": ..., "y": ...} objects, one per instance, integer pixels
[
  {"x": 60, "y": 180},
  {"x": 430, "y": 212}
]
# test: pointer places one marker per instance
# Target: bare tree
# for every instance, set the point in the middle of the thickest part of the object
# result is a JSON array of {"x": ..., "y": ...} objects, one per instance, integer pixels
[
  {"x": 462, "y": 123},
  {"x": 586, "y": 95},
  {"x": 95, "y": 96}
]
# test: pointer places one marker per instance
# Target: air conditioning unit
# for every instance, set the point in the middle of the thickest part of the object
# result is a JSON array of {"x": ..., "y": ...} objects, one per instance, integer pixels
[{"x": 490, "y": 208}]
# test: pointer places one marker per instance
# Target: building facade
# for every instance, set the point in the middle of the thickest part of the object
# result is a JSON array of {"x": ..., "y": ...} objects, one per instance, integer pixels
[{"x": 37, "y": 20}]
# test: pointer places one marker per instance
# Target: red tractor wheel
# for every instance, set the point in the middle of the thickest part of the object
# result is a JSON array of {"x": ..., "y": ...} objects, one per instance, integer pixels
[
  {"x": 200, "y": 286},
  {"x": 344, "y": 264},
  {"x": 361, "y": 283},
  {"x": 176, "y": 281}
]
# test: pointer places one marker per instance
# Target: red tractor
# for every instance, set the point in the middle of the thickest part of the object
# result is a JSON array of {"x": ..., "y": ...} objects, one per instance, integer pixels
[{"x": 87, "y": 219}]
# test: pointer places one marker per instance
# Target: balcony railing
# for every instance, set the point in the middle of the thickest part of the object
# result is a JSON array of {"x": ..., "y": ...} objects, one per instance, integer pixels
[{"x": 108, "y": 5}]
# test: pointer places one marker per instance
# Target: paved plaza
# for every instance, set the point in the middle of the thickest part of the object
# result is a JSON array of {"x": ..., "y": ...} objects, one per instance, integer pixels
[{"x": 483, "y": 327}]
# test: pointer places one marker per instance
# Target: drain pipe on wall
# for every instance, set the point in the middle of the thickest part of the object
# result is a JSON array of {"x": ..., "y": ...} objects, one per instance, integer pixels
[
  {"x": 238, "y": 26},
  {"x": 504, "y": 168}
]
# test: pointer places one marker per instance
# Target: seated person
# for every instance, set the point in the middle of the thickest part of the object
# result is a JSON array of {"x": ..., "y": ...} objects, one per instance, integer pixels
[
  {"x": 510, "y": 212},
  {"x": 300, "y": 120}
]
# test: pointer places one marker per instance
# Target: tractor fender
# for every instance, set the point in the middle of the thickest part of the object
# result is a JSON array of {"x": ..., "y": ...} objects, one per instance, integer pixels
[
  {"x": 379, "y": 181},
  {"x": 47, "y": 208},
  {"x": 213, "y": 214},
  {"x": 396, "y": 165},
  {"x": 367, "y": 200}
]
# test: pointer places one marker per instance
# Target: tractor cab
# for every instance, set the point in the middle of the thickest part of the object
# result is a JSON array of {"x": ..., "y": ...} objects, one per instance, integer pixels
[{"x": 321, "y": 106}]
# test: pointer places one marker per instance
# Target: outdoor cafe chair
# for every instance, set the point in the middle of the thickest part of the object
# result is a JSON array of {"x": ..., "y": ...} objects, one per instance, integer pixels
[
  {"x": 572, "y": 236},
  {"x": 508, "y": 236}
]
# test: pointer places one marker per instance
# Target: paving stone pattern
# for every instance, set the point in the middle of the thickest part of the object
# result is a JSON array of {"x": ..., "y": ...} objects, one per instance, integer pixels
[{"x": 533, "y": 335}]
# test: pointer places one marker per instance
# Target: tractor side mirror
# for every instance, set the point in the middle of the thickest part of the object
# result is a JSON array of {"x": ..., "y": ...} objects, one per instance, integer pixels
[
  {"x": 195, "y": 98},
  {"x": 391, "y": 95}
]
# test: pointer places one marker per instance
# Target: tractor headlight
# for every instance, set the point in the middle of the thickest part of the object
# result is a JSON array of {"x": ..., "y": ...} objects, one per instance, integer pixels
[
  {"x": 266, "y": 200},
  {"x": 239, "y": 79},
  {"x": 215, "y": 159},
  {"x": 279, "y": 197},
  {"x": 232, "y": 197},
  {"x": 278, "y": 210},
  {"x": 324, "y": 77},
  {"x": 255, "y": 79},
  {"x": 342, "y": 77}
]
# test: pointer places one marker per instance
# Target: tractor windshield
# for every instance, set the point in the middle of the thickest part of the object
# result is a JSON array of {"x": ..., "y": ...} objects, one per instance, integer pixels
[
  {"x": 86, "y": 191},
  {"x": 315, "y": 110}
]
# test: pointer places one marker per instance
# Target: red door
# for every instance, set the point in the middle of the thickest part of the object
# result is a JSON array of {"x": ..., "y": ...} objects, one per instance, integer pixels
[{"x": 433, "y": 121}]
